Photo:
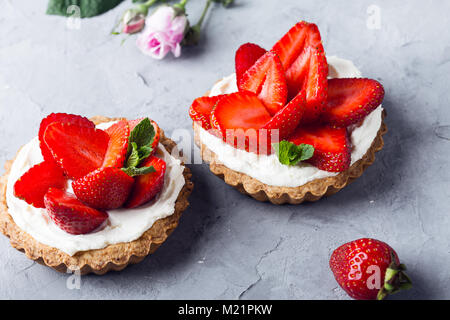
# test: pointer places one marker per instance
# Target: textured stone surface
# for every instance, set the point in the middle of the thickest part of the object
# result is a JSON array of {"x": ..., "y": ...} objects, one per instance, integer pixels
[{"x": 228, "y": 245}]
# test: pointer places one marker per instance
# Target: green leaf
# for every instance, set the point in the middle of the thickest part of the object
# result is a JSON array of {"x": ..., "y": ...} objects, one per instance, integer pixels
[
  {"x": 133, "y": 158},
  {"x": 133, "y": 171},
  {"x": 140, "y": 148},
  {"x": 290, "y": 154},
  {"x": 143, "y": 135},
  {"x": 88, "y": 8},
  {"x": 144, "y": 153}
]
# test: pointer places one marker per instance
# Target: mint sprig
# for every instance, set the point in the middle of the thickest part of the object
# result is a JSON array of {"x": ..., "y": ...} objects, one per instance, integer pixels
[
  {"x": 143, "y": 135},
  {"x": 290, "y": 154},
  {"x": 133, "y": 171},
  {"x": 139, "y": 148}
]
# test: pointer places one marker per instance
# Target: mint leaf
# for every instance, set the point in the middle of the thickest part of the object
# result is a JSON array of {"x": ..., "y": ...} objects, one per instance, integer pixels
[
  {"x": 133, "y": 159},
  {"x": 144, "y": 152},
  {"x": 139, "y": 148},
  {"x": 290, "y": 154},
  {"x": 143, "y": 135},
  {"x": 133, "y": 171},
  {"x": 88, "y": 8}
]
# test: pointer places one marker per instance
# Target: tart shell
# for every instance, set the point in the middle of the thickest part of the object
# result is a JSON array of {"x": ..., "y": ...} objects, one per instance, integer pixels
[
  {"x": 113, "y": 257},
  {"x": 311, "y": 191}
]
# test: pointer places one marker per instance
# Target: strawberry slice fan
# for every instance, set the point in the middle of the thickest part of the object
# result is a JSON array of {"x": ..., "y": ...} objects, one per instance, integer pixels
[
  {"x": 285, "y": 94},
  {"x": 110, "y": 169}
]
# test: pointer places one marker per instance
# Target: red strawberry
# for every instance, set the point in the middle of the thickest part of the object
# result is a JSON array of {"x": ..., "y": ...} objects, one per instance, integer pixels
[
  {"x": 290, "y": 47},
  {"x": 239, "y": 110},
  {"x": 332, "y": 151},
  {"x": 134, "y": 123},
  {"x": 59, "y": 117},
  {"x": 368, "y": 269},
  {"x": 147, "y": 186},
  {"x": 78, "y": 150},
  {"x": 200, "y": 110},
  {"x": 157, "y": 136},
  {"x": 118, "y": 144},
  {"x": 351, "y": 100},
  {"x": 246, "y": 56},
  {"x": 105, "y": 188},
  {"x": 266, "y": 79},
  {"x": 34, "y": 183},
  {"x": 70, "y": 214},
  {"x": 238, "y": 118},
  {"x": 312, "y": 75},
  {"x": 303, "y": 58},
  {"x": 288, "y": 118}
]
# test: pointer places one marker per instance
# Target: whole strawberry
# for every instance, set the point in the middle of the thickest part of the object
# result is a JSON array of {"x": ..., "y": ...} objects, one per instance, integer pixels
[{"x": 368, "y": 269}]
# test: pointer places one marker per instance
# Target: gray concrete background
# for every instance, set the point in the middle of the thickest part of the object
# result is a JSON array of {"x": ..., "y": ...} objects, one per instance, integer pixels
[{"x": 228, "y": 245}]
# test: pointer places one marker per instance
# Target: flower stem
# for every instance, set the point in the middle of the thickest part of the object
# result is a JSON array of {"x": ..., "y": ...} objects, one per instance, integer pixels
[
  {"x": 202, "y": 17},
  {"x": 181, "y": 5},
  {"x": 143, "y": 7},
  {"x": 149, "y": 3}
]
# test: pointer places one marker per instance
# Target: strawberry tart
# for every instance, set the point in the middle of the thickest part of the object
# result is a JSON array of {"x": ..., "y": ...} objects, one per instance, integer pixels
[
  {"x": 93, "y": 195},
  {"x": 291, "y": 124}
]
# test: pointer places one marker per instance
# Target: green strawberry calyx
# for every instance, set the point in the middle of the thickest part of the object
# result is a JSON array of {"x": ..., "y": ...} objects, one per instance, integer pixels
[{"x": 395, "y": 279}]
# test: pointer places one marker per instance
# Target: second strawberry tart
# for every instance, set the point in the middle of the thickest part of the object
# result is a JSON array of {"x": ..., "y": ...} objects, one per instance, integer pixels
[
  {"x": 93, "y": 195},
  {"x": 291, "y": 125}
]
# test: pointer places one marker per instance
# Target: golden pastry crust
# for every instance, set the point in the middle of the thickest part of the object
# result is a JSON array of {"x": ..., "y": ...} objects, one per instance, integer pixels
[
  {"x": 311, "y": 191},
  {"x": 114, "y": 257}
]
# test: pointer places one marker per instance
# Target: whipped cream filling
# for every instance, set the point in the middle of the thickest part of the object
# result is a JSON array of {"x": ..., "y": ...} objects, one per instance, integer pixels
[
  {"x": 123, "y": 225},
  {"x": 268, "y": 169}
]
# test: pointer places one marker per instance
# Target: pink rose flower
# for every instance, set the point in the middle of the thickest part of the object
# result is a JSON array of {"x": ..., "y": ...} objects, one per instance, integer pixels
[{"x": 163, "y": 33}]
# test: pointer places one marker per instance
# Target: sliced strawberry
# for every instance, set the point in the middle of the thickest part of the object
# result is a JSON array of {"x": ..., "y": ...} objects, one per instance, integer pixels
[
  {"x": 246, "y": 56},
  {"x": 291, "y": 46},
  {"x": 310, "y": 75},
  {"x": 237, "y": 118},
  {"x": 78, "y": 150},
  {"x": 288, "y": 118},
  {"x": 105, "y": 188},
  {"x": 70, "y": 214},
  {"x": 157, "y": 136},
  {"x": 59, "y": 117},
  {"x": 240, "y": 110},
  {"x": 200, "y": 110},
  {"x": 351, "y": 100},
  {"x": 267, "y": 80},
  {"x": 134, "y": 123},
  {"x": 303, "y": 58},
  {"x": 147, "y": 186},
  {"x": 34, "y": 183},
  {"x": 118, "y": 143},
  {"x": 332, "y": 151}
]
